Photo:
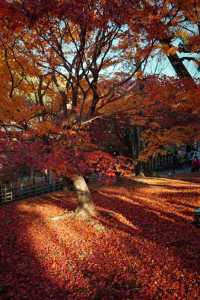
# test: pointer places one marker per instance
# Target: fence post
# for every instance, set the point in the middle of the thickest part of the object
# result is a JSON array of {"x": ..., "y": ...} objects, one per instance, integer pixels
[{"x": 7, "y": 194}]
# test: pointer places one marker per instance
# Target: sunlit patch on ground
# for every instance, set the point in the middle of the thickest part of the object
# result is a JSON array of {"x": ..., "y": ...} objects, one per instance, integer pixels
[{"x": 149, "y": 250}]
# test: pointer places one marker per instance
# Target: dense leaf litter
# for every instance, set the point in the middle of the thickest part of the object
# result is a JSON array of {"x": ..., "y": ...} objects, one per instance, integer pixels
[{"x": 147, "y": 247}]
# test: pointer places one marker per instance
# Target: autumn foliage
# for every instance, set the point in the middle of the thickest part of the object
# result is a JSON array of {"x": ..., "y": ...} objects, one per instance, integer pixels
[
  {"x": 147, "y": 247},
  {"x": 74, "y": 75},
  {"x": 68, "y": 64}
]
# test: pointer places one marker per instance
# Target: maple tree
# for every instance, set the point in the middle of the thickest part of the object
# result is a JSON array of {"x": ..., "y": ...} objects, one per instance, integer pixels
[
  {"x": 56, "y": 70},
  {"x": 173, "y": 29},
  {"x": 67, "y": 64}
]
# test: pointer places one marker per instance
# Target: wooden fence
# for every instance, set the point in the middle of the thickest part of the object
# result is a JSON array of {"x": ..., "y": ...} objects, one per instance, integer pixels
[
  {"x": 11, "y": 192},
  {"x": 164, "y": 163},
  {"x": 159, "y": 162}
]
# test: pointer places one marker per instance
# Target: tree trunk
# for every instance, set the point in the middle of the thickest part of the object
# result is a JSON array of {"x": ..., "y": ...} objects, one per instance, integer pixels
[
  {"x": 32, "y": 177},
  {"x": 178, "y": 65},
  {"x": 85, "y": 207},
  {"x": 139, "y": 169}
]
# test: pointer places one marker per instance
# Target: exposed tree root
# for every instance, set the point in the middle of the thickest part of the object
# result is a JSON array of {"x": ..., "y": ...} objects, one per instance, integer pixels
[{"x": 84, "y": 216}]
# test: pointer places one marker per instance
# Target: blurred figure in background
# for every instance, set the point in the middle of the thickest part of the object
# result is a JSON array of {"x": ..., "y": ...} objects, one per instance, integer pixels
[{"x": 195, "y": 164}]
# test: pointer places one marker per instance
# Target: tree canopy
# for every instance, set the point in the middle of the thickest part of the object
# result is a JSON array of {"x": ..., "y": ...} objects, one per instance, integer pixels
[{"x": 67, "y": 64}]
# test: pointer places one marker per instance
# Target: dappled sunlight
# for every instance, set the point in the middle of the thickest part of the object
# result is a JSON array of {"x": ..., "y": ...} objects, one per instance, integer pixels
[
  {"x": 115, "y": 195},
  {"x": 164, "y": 225},
  {"x": 114, "y": 216},
  {"x": 154, "y": 201},
  {"x": 147, "y": 204},
  {"x": 146, "y": 244},
  {"x": 71, "y": 255},
  {"x": 40, "y": 208},
  {"x": 166, "y": 181},
  {"x": 92, "y": 94}
]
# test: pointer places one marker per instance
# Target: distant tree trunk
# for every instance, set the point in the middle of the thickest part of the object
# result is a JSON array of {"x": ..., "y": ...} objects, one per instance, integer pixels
[
  {"x": 67, "y": 184},
  {"x": 177, "y": 63},
  {"x": 132, "y": 139},
  {"x": 85, "y": 207},
  {"x": 139, "y": 169},
  {"x": 50, "y": 177},
  {"x": 32, "y": 176},
  {"x": 135, "y": 143},
  {"x": 179, "y": 67}
]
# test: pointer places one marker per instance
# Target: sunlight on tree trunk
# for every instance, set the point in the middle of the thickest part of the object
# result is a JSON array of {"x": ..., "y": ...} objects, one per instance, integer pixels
[{"x": 85, "y": 207}]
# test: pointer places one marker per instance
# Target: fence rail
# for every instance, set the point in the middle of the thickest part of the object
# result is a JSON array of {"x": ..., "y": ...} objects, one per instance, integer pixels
[
  {"x": 10, "y": 193},
  {"x": 165, "y": 162},
  {"x": 160, "y": 162}
]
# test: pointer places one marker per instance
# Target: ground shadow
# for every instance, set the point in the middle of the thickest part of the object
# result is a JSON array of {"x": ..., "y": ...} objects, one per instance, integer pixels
[
  {"x": 185, "y": 177},
  {"x": 22, "y": 275},
  {"x": 25, "y": 274},
  {"x": 165, "y": 228}
]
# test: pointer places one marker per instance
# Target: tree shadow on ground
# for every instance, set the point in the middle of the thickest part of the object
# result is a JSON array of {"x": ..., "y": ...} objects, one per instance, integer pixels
[
  {"x": 28, "y": 262},
  {"x": 191, "y": 177},
  {"x": 184, "y": 188},
  {"x": 166, "y": 228},
  {"x": 130, "y": 182},
  {"x": 22, "y": 276}
]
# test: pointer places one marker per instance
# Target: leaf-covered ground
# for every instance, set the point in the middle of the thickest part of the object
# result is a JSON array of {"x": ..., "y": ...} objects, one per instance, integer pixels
[{"x": 150, "y": 249}]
